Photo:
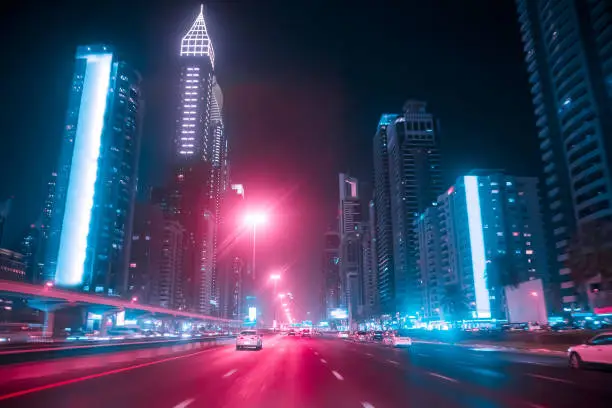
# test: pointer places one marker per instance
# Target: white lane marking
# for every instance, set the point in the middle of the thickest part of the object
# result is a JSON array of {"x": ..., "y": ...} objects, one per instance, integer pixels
[
  {"x": 185, "y": 403},
  {"x": 369, "y": 354},
  {"x": 421, "y": 355},
  {"x": 534, "y": 405},
  {"x": 443, "y": 377},
  {"x": 544, "y": 377},
  {"x": 337, "y": 375},
  {"x": 323, "y": 361},
  {"x": 537, "y": 363},
  {"x": 229, "y": 373},
  {"x": 316, "y": 354},
  {"x": 366, "y": 404},
  {"x": 393, "y": 362}
]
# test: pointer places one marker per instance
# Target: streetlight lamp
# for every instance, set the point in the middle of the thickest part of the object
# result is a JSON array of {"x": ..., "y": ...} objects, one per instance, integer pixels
[{"x": 253, "y": 220}]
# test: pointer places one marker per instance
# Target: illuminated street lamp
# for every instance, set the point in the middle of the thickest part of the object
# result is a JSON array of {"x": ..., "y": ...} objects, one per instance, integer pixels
[{"x": 253, "y": 220}]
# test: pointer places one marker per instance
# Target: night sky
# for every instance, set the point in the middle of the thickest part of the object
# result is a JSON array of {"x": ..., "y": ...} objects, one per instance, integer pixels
[{"x": 304, "y": 82}]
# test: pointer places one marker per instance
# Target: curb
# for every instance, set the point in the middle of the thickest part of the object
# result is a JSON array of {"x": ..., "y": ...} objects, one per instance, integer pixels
[{"x": 497, "y": 348}]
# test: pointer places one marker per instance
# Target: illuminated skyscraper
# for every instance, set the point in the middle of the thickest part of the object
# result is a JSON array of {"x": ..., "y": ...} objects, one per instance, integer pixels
[
  {"x": 351, "y": 257},
  {"x": 91, "y": 221},
  {"x": 200, "y": 176},
  {"x": 567, "y": 45},
  {"x": 484, "y": 233},
  {"x": 408, "y": 179}
]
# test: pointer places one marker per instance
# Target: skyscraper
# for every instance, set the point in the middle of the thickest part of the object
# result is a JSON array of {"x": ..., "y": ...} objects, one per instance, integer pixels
[
  {"x": 147, "y": 248},
  {"x": 415, "y": 180},
  {"x": 331, "y": 289},
  {"x": 483, "y": 234},
  {"x": 567, "y": 45},
  {"x": 351, "y": 260},
  {"x": 201, "y": 167},
  {"x": 233, "y": 252},
  {"x": 89, "y": 239},
  {"x": 383, "y": 223}
]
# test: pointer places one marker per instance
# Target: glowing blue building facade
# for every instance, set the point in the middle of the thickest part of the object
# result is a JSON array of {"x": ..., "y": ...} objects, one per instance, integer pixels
[
  {"x": 97, "y": 175},
  {"x": 486, "y": 216}
]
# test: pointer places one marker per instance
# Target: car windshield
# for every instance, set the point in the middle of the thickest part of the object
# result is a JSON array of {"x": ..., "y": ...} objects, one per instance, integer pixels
[
  {"x": 402, "y": 333},
  {"x": 362, "y": 333},
  {"x": 248, "y": 333}
]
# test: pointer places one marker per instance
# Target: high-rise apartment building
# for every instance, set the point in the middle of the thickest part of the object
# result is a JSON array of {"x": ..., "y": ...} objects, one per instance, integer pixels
[
  {"x": 91, "y": 222},
  {"x": 331, "y": 289},
  {"x": 483, "y": 234},
  {"x": 383, "y": 223},
  {"x": 233, "y": 252},
  {"x": 34, "y": 243},
  {"x": 368, "y": 262},
  {"x": 414, "y": 181},
  {"x": 568, "y": 47},
  {"x": 201, "y": 168},
  {"x": 351, "y": 262},
  {"x": 147, "y": 238}
]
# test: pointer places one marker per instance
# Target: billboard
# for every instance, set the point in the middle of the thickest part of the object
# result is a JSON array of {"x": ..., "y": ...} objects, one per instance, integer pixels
[{"x": 526, "y": 302}]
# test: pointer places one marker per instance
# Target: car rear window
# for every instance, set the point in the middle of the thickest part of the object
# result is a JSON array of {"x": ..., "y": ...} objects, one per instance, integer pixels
[{"x": 248, "y": 332}]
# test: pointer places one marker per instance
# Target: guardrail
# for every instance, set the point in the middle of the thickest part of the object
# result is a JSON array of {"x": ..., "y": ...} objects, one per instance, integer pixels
[{"x": 11, "y": 356}]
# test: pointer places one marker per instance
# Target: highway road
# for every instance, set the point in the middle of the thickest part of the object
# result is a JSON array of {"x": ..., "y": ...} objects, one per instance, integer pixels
[{"x": 302, "y": 372}]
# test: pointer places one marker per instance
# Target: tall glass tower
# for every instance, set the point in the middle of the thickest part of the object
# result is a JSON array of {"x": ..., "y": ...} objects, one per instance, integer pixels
[
  {"x": 568, "y": 51},
  {"x": 415, "y": 181},
  {"x": 201, "y": 165},
  {"x": 91, "y": 221}
]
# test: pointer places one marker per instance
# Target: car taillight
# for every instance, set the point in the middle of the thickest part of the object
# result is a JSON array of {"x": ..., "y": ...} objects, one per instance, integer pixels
[{"x": 240, "y": 338}]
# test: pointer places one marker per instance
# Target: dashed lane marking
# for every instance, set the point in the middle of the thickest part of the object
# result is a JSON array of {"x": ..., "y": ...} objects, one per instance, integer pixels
[
  {"x": 443, "y": 377},
  {"x": 229, "y": 373},
  {"x": 185, "y": 403},
  {"x": 337, "y": 375},
  {"x": 323, "y": 361},
  {"x": 545, "y": 377}
]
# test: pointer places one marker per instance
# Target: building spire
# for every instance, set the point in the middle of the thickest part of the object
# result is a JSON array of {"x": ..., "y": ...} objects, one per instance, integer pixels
[{"x": 197, "y": 42}]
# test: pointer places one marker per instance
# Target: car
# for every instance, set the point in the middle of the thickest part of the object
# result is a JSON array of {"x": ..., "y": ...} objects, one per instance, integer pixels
[
  {"x": 249, "y": 339},
  {"x": 343, "y": 335},
  {"x": 306, "y": 333},
  {"x": 401, "y": 339},
  {"x": 361, "y": 336},
  {"x": 291, "y": 333},
  {"x": 596, "y": 351},
  {"x": 377, "y": 336}
]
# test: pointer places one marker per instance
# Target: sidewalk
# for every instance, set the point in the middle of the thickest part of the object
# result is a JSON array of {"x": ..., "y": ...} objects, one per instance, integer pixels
[{"x": 515, "y": 347}]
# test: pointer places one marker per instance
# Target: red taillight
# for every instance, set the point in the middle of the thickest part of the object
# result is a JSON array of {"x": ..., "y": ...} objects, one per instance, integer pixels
[{"x": 240, "y": 338}]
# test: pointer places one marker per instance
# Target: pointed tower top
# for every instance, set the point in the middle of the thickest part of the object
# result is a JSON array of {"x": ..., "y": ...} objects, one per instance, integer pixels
[{"x": 197, "y": 42}]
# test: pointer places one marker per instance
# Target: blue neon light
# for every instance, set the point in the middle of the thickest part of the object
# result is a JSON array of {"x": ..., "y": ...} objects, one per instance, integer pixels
[
  {"x": 483, "y": 307},
  {"x": 83, "y": 170},
  {"x": 387, "y": 119}
]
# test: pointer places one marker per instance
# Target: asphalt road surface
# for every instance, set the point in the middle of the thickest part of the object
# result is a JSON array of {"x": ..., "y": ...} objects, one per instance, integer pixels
[{"x": 302, "y": 372}]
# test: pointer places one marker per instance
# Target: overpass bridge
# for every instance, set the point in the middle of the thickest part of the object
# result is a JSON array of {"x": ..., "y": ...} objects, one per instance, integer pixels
[{"x": 49, "y": 299}]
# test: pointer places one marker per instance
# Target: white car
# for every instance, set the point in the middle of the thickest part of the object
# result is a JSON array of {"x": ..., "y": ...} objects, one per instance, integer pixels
[
  {"x": 249, "y": 339},
  {"x": 597, "y": 350},
  {"x": 401, "y": 339}
]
